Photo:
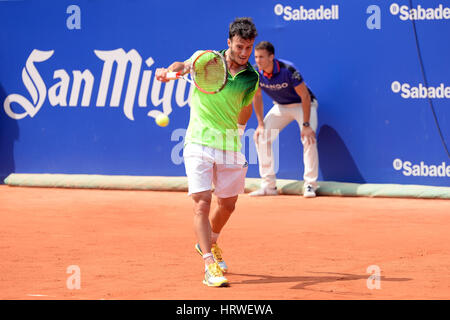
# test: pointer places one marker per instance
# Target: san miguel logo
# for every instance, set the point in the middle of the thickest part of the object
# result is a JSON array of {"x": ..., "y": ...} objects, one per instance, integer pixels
[{"x": 18, "y": 107}]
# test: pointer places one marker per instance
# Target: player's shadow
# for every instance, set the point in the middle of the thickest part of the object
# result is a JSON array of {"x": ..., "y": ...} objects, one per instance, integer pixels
[
  {"x": 9, "y": 132},
  {"x": 335, "y": 161},
  {"x": 304, "y": 282}
]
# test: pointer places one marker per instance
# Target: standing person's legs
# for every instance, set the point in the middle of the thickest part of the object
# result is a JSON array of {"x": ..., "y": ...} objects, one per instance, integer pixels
[
  {"x": 202, "y": 227},
  {"x": 229, "y": 181},
  {"x": 220, "y": 216},
  {"x": 276, "y": 120},
  {"x": 200, "y": 166},
  {"x": 310, "y": 152}
]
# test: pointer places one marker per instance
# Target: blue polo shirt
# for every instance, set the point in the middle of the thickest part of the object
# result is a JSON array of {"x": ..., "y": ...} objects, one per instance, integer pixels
[{"x": 281, "y": 83}]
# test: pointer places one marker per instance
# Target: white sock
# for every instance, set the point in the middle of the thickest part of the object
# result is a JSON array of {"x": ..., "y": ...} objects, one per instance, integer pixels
[{"x": 205, "y": 257}]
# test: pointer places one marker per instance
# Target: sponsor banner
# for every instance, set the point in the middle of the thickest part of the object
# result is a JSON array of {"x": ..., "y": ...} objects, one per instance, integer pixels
[
  {"x": 302, "y": 13},
  {"x": 421, "y": 169},
  {"x": 420, "y": 12},
  {"x": 135, "y": 90},
  {"x": 407, "y": 91},
  {"x": 78, "y": 92}
]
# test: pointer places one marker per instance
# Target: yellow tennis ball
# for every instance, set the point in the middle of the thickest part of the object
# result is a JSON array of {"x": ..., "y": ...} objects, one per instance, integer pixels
[{"x": 162, "y": 120}]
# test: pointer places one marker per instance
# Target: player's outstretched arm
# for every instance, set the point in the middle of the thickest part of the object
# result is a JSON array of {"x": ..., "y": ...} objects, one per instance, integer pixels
[{"x": 177, "y": 66}]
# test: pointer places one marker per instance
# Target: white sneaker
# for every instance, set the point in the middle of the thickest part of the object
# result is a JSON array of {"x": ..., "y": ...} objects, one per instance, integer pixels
[
  {"x": 214, "y": 276},
  {"x": 308, "y": 191},
  {"x": 264, "y": 192}
]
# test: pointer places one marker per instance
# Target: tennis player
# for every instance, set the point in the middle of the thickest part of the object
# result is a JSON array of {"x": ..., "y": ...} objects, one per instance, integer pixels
[
  {"x": 212, "y": 152},
  {"x": 293, "y": 100}
]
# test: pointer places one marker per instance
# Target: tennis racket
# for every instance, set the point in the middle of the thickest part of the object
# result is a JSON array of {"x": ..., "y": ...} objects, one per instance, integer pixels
[{"x": 209, "y": 72}]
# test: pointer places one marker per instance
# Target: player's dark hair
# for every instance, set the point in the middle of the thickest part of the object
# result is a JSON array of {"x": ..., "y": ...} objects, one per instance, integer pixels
[
  {"x": 244, "y": 28},
  {"x": 265, "y": 45}
]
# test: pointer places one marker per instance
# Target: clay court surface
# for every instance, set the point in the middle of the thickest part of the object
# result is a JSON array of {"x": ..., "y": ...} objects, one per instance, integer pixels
[{"x": 140, "y": 245}]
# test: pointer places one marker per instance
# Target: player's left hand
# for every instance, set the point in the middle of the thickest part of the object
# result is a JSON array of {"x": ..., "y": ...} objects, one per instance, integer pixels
[{"x": 308, "y": 135}]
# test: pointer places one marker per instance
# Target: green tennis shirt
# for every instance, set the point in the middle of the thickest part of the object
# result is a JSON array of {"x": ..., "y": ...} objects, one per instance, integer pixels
[{"x": 214, "y": 117}]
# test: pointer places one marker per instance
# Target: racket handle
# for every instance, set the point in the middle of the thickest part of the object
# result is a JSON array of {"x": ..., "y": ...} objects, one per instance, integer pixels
[{"x": 172, "y": 75}]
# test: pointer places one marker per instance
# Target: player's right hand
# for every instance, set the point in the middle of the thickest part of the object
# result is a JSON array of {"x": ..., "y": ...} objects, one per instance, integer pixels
[{"x": 161, "y": 74}]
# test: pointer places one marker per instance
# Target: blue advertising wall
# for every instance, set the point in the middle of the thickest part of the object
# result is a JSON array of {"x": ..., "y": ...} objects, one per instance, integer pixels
[{"x": 78, "y": 94}]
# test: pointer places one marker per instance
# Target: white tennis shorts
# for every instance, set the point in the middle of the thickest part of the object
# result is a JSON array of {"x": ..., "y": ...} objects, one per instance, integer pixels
[{"x": 206, "y": 166}]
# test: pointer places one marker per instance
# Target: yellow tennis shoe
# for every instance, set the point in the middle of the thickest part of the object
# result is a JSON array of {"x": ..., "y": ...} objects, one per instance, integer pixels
[
  {"x": 214, "y": 276},
  {"x": 217, "y": 253}
]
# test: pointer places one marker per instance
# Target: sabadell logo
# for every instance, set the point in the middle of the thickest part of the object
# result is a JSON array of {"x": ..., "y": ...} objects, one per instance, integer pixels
[
  {"x": 407, "y": 168},
  {"x": 407, "y": 91},
  {"x": 307, "y": 14},
  {"x": 419, "y": 13}
]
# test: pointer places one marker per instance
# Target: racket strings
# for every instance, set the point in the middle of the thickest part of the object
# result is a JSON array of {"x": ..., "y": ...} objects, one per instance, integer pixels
[{"x": 210, "y": 72}]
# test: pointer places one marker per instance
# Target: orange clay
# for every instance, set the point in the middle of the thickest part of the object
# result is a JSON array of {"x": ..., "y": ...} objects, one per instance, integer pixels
[{"x": 140, "y": 245}]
